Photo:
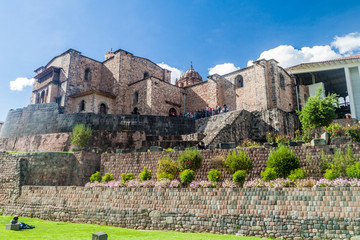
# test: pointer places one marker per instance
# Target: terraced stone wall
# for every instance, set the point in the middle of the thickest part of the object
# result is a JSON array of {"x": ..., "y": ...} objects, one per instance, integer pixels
[
  {"x": 322, "y": 213},
  {"x": 310, "y": 156}
]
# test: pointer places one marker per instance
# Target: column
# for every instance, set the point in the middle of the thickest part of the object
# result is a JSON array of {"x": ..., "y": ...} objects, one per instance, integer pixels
[{"x": 350, "y": 92}]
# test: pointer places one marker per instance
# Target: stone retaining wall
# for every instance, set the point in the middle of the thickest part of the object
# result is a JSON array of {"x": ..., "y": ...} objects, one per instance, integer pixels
[
  {"x": 118, "y": 163},
  {"x": 290, "y": 213},
  {"x": 46, "y": 118},
  {"x": 45, "y": 168}
]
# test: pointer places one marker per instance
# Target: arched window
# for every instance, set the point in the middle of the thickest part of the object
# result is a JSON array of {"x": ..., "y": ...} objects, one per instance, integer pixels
[
  {"x": 37, "y": 98},
  {"x": 136, "y": 97},
  {"x": 146, "y": 74},
  {"x": 239, "y": 81},
  {"x": 103, "y": 109},
  {"x": 42, "y": 97},
  {"x": 282, "y": 81},
  {"x": 82, "y": 106},
  {"x": 172, "y": 112},
  {"x": 88, "y": 75}
]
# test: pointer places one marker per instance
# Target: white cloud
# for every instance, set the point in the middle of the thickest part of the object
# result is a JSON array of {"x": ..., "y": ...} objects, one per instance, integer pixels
[
  {"x": 250, "y": 63},
  {"x": 288, "y": 56},
  {"x": 175, "y": 73},
  {"x": 348, "y": 43},
  {"x": 222, "y": 69},
  {"x": 19, "y": 83}
]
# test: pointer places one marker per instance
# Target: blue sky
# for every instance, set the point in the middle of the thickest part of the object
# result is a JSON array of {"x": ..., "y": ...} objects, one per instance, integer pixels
[{"x": 222, "y": 34}]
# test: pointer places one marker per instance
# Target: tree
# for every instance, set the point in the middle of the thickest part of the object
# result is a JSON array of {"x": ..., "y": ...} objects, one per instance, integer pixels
[
  {"x": 319, "y": 111},
  {"x": 80, "y": 135}
]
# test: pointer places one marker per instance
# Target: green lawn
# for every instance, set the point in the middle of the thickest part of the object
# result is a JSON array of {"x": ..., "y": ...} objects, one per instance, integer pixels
[{"x": 61, "y": 230}]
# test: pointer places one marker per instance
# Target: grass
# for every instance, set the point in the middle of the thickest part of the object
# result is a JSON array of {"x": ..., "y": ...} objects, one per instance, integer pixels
[{"x": 63, "y": 230}]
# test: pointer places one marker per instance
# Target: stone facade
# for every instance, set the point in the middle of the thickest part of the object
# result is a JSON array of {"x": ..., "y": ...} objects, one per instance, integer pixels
[{"x": 124, "y": 82}]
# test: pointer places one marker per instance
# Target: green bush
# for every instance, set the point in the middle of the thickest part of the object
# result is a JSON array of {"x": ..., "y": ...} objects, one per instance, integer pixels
[
  {"x": 80, "y": 135},
  {"x": 145, "y": 174},
  {"x": 165, "y": 175},
  {"x": 298, "y": 173},
  {"x": 167, "y": 168},
  {"x": 334, "y": 130},
  {"x": 96, "y": 177},
  {"x": 319, "y": 111},
  {"x": 239, "y": 177},
  {"x": 238, "y": 161},
  {"x": 214, "y": 175},
  {"x": 271, "y": 136},
  {"x": 127, "y": 177},
  {"x": 353, "y": 132},
  {"x": 108, "y": 177},
  {"x": 283, "y": 160},
  {"x": 332, "y": 173},
  {"x": 353, "y": 171},
  {"x": 190, "y": 159},
  {"x": 187, "y": 176},
  {"x": 269, "y": 174},
  {"x": 340, "y": 162}
]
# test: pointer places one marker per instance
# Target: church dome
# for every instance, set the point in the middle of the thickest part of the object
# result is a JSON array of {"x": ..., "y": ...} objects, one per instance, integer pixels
[{"x": 190, "y": 77}]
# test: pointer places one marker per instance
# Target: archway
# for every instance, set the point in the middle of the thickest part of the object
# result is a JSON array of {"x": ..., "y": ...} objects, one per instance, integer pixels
[
  {"x": 103, "y": 109},
  {"x": 172, "y": 112}
]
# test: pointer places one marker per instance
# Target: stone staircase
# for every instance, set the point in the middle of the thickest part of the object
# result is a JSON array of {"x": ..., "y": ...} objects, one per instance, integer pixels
[{"x": 212, "y": 126}]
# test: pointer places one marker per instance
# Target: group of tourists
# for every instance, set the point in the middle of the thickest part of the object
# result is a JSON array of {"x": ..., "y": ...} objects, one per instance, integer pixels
[{"x": 207, "y": 112}]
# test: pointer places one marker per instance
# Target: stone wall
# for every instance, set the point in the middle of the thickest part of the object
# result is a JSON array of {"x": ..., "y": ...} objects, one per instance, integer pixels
[
  {"x": 322, "y": 213},
  {"x": 56, "y": 168},
  {"x": 9, "y": 177},
  {"x": 45, "y": 118},
  {"x": 135, "y": 162}
]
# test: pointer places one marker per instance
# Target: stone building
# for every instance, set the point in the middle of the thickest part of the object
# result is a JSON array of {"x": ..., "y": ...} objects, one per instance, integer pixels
[
  {"x": 124, "y": 82},
  {"x": 1, "y": 125},
  {"x": 262, "y": 86}
]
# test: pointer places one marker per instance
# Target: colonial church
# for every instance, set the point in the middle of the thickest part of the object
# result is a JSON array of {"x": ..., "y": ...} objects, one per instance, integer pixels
[{"x": 123, "y": 82}]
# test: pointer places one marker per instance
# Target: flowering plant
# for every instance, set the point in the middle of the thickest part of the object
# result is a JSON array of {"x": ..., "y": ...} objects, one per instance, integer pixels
[
  {"x": 202, "y": 184},
  {"x": 229, "y": 184}
]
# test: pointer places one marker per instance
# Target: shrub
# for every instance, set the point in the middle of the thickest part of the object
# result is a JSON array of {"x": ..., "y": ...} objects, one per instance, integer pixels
[
  {"x": 335, "y": 130},
  {"x": 332, "y": 173},
  {"x": 187, "y": 176},
  {"x": 80, "y": 135},
  {"x": 298, "y": 173},
  {"x": 353, "y": 171},
  {"x": 239, "y": 177},
  {"x": 96, "y": 177},
  {"x": 107, "y": 177},
  {"x": 353, "y": 132},
  {"x": 145, "y": 174},
  {"x": 127, "y": 177},
  {"x": 283, "y": 160},
  {"x": 282, "y": 139},
  {"x": 164, "y": 175},
  {"x": 341, "y": 161},
  {"x": 319, "y": 111},
  {"x": 271, "y": 136},
  {"x": 167, "y": 168},
  {"x": 269, "y": 174},
  {"x": 214, "y": 175},
  {"x": 250, "y": 143},
  {"x": 308, "y": 135},
  {"x": 238, "y": 161},
  {"x": 190, "y": 159}
]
